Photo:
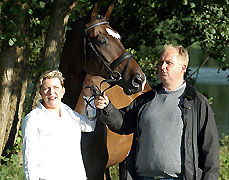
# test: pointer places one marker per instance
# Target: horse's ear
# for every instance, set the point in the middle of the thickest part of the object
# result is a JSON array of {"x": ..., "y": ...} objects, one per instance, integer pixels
[
  {"x": 94, "y": 12},
  {"x": 108, "y": 13}
]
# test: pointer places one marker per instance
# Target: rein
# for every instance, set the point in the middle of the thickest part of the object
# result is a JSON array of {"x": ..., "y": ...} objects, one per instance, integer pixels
[{"x": 95, "y": 91}]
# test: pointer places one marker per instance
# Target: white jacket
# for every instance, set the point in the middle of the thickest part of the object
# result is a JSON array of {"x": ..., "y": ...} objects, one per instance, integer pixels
[{"x": 51, "y": 144}]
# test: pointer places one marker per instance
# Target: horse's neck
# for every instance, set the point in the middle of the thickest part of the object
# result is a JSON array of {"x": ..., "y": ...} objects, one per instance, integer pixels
[
  {"x": 73, "y": 87},
  {"x": 74, "y": 77},
  {"x": 74, "y": 74},
  {"x": 72, "y": 65}
]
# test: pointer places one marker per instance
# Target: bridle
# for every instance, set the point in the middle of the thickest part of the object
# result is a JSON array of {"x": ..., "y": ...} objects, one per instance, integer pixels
[{"x": 114, "y": 76}]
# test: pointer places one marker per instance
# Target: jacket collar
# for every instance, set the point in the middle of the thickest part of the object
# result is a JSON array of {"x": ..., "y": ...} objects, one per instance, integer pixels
[{"x": 190, "y": 92}]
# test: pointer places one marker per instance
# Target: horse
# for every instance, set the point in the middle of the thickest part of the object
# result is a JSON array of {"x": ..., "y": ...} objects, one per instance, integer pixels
[{"x": 93, "y": 47}]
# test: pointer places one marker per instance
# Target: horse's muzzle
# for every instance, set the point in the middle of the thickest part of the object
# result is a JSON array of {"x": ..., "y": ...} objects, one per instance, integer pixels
[{"x": 136, "y": 85}]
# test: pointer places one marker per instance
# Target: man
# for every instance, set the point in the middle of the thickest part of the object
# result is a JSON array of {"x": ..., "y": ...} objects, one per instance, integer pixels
[
  {"x": 175, "y": 135},
  {"x": 52, "y": 133}
]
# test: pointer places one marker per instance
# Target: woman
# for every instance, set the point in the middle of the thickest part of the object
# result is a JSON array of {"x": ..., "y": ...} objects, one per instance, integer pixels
[{"x": 52, "y": 134}]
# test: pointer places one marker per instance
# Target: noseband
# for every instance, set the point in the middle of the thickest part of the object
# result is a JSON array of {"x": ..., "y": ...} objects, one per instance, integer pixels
[{"x": 114, "y": 76}]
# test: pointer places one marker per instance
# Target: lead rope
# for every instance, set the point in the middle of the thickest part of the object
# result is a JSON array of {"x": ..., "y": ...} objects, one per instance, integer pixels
[{"x": 96, "y": 91}]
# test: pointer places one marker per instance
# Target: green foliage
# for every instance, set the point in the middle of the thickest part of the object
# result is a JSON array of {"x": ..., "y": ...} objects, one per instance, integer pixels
[
  {"x": 148, "y": 23},
  {"x": 36, "y": 13},
  {"x": 11, "y": 15},
  {"x": 81, "y": 10},
  {"x": 224, "y": 158},
  {"x": 12, "y": 170},
  {"x": 148, "y": 60},
  {"x": 208, "y": 26},
  {"x": 38, "y": 25},
  {"x": 154, "y": 23},
  {"x": 114, "y": 172},
  {"x": 14, "y": 151}
]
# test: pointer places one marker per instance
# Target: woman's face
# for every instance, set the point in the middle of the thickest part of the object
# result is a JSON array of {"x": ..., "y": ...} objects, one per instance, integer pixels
[{"x": 52, "y": 92}]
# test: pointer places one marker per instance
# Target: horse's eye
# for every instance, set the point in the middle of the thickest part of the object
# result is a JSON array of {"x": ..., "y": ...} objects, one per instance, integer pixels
[{"x": 102, "y": 41}]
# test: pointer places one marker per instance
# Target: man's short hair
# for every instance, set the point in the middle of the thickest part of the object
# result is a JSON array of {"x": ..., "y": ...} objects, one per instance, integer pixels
[
  {"x": 182, "y": 52},
  {"x": 52, "y": 74}
]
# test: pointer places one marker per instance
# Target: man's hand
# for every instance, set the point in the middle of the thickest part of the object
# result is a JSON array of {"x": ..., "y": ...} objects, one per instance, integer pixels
[{"x": 101, "y": 101}]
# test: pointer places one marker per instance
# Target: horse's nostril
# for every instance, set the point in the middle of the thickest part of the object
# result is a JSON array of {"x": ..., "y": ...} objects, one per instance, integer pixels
[{"x": 137, "y": 81}]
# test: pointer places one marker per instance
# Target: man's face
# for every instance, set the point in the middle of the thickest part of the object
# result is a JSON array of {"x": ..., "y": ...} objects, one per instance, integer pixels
[
  {"x": 171, "y": 69},
  {"x": 52, "y": 92}
]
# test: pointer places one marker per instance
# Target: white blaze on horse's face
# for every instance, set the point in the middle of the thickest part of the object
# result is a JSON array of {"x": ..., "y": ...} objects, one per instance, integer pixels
[
  {"x": 144, "y": 83},
  {"x": 112, "y": 33}
]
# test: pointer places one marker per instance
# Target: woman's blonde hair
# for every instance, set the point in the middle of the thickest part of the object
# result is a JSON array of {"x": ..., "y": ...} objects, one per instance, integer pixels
[{"x": 52, "y": 74}]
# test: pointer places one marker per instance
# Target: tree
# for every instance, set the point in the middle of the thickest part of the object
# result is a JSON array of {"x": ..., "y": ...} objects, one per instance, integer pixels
[
  {"x": 53, "y": 42},
  {"x": 13, "y": 71},
  {"x": 155, "y": 23},
  {"x": 16, "y": 26}
]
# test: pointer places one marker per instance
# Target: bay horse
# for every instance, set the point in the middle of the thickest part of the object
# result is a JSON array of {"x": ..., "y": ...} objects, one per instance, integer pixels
[{"x": 93, "y": 47}]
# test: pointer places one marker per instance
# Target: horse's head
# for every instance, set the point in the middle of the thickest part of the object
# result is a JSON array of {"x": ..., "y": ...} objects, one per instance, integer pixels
[
  {"x": 104, "y": 54},
  {"x": 92, "y": 46}
]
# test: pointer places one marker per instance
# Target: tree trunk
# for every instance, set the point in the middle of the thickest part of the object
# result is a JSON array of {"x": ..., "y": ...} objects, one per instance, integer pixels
[
  {"x": 13, "y": 78},
  {"x": 54, "y": 41}
]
